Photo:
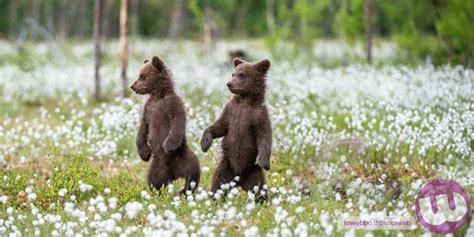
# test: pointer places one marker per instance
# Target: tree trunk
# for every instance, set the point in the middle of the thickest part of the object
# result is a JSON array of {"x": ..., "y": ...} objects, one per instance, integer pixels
[
  {"x": 270, "y": 16},
  {"x": 13, "y": 20},
  {"x": 241, "y": 15},
  {"x": 134, "y": 7},
  {"x": 34, "y": 14},
  {"x": 62, "y": 19},
  {"x": 210, "y": 31},
  {"x": 177, "y": 19},
  {"x": 79, "y": 21},
  {"x": 106, "y": 19},
  {"x": 97, "y": 53},
  {"x": 124, "y": 45},
  {"x": 368, "y": 30}
]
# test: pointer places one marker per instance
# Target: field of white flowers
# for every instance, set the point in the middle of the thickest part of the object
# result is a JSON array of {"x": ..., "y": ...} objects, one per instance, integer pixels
[{"x": 352, "y": 140}]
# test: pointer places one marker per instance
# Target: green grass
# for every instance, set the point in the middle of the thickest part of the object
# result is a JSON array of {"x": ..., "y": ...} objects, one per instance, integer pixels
[
  {"x": 128, "y": 182},
  {"x": 127, "y": 186}
]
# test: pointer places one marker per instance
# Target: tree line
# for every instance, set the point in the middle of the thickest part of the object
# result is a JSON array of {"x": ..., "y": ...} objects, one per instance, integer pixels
[{"x": 439, "y": 29}]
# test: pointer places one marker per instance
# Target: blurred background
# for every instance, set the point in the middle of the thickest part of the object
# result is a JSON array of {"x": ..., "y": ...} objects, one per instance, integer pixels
[{"x": 434, "y": 31}]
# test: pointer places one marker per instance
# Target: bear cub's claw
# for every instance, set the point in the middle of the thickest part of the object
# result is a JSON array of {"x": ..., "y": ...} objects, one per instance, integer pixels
[
  {"x": 206, "y": 141},
  {"x": 264, "y": 163}
]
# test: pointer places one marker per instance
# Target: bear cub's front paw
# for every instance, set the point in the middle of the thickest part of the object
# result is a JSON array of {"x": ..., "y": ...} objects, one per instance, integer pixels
[
  {"x": 206, "y": 141},
  {"x": 170, "y": 144},
  {"x": 264, "y": 163},
  {"x": 144, "y": 154}
]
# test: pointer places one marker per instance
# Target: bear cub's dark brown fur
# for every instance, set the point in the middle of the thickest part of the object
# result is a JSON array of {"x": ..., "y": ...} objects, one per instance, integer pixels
[
  {"x": 246, "y": 128},
  {"x": 161, "y": 136}
]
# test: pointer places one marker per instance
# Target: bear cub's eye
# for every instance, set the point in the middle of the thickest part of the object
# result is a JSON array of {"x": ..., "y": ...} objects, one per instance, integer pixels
[
  {"x": 241, "y": 76},
  {"x": 141, "y": 77}
]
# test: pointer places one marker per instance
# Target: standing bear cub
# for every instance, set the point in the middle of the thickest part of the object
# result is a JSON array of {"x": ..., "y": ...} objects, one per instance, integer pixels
[
  {"x": 246, "y": 128},
  {"x": 161, "y": 136}
]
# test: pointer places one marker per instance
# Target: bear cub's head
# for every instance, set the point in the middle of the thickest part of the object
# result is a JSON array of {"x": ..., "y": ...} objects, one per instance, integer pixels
[
  {"x": 248, "y": 78},
  {"x": 153, "y": 77}
]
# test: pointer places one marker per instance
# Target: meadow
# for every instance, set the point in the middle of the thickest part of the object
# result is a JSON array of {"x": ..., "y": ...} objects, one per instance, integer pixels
[{"x": 350, "y": 139}]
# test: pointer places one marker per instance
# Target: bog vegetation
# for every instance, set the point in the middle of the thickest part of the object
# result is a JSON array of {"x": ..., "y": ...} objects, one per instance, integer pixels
[{"x": 349, "y": 141}]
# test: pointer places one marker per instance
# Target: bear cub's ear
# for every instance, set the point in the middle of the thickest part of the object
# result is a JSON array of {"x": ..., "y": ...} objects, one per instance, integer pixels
[
  {"x": 146, "y": 60},
  {"x": 237, "y": 61},
  {"x": 263, "y": 66},
  {"x": 158, "y": 63}
]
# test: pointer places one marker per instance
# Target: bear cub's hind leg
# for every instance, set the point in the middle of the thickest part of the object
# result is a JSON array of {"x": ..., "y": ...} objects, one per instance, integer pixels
[
  {"x": 187, "y": 167},
  {"x": 222, "y": 175},
  {"x": 159, "y": 174},
  {"x": 254, "y": 181}
]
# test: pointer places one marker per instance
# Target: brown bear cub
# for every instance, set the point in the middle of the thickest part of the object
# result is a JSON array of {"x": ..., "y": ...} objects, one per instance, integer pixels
[
  {"x": 161, "y": 136},
  {"x": 238, "y": 53},
  {"x": 246, "y": 128}
]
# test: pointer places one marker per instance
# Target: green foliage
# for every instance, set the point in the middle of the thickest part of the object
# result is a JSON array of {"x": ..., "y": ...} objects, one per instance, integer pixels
[
  {"x": 126, "y": 187},
  {"x": 405, "y": 17},
  {"x": 14, "y": 181},
  {"x": 445, "y": 25},
  {"x": 70, "y": 173},
  {"x": 350, "y": 20},
  {"x": 154, "y": 18},
  {"x": 455, "y": 27},
  {"x": 125, "y": 146},
  {"x": 442, "y": 31},
  {"x": 301, "y": 22},
  {"x": 196, "y": 10},
  {"x": 418, "y": 45},
  {"x": 314, "y": 25}
]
